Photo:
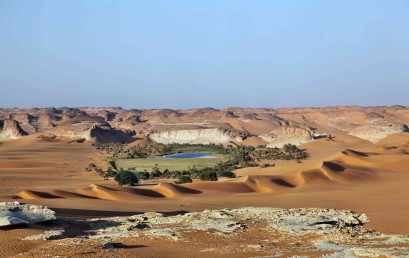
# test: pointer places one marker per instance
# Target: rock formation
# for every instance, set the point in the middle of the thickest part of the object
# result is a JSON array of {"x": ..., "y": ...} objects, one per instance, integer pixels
[
  {"x": 86, "y": 128},
  {"x": 287, "y": 134},
  {"x": 238, "y": 232},
  {"x": 374, "y": 133},
  {"x": 277, "y": 126},
  {"x": 14, "y": 213},
  {"x": 203, "y": 136},
  {"x": 10, "y": 130}
]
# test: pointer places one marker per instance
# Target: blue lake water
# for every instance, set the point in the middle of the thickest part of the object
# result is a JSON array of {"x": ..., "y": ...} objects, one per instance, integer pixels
[{"x": 189, "y": 155}]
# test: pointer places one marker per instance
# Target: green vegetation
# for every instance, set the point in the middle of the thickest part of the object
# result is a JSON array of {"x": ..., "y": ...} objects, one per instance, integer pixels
[
  {"x": 118, "y": 150},
  {"x": 170, "y": 164},
  {"x": 183, "y": 180},
  {"x": 126, "y": 178},
  {"x": 208, "y": 175},
  {"x": 134, "y": 160},
  {"x": 110, "y": 172}
]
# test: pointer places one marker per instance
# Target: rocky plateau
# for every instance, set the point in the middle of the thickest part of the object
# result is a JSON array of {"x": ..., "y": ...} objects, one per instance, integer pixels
[{"x": 272, "y": 127}]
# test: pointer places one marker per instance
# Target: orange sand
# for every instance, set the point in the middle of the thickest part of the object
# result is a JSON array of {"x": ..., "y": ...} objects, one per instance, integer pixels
[{"x": 344, "y": 173}]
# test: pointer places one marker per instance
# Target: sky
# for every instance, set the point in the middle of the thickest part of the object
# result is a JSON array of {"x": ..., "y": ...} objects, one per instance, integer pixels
[{"x": 182, "y": 54}]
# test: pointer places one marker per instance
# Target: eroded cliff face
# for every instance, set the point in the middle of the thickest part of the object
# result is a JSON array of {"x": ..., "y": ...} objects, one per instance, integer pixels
[
  {"x": 10, "y": 130},
  {"x": 376, "y": 132},
  {"x": 287, "y": 134},
  {"x": 88, "y": 131},
  {"x": 203, "y": 136},
  {"x": 276, "y": 126},
  {"x": 86, "y": 128}
]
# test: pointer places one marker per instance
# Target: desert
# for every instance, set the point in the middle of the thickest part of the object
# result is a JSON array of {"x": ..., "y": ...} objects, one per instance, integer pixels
[
  {"x": 351, "y": 165},
  {"x": 204, "y": 128}
]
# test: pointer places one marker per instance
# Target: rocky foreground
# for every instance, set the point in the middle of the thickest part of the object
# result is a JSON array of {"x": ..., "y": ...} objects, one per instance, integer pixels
[{"x": 244, "y": 232}]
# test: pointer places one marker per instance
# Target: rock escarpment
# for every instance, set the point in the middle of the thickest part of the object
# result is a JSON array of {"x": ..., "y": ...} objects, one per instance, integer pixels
[
  {"x": 376, "y": 132},
  {"x": 287, "y": 134},
  {"x": 203, "y": 136},
  {"x": 273, "y": 125},
  {"x": 10, "y": 130},
  {"x": 87, "y": 128}
]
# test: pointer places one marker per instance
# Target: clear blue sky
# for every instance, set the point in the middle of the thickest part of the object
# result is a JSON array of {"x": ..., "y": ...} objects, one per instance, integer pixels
[{"x": 185, "y": 54}]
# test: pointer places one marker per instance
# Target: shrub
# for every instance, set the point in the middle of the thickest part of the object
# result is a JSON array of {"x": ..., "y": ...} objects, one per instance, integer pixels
[
  {"x": 227, "y": 174},
  {"x": 142, "y": 175},
  {"x": 166, "y": 173},
  {"x": 208, "y": 176},
  {"x": 155, "y": 174},
  {"x": 110, "y": 172},
  {"x": 174, "y": 174},
  {"x": 184, "y": 179},
  {"x": 290, "y": 148},
  {"x": 126, "y": 178}
]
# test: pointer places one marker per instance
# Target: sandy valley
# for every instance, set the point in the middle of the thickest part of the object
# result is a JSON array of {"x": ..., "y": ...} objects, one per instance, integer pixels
[{"x": 358, "y": 159}]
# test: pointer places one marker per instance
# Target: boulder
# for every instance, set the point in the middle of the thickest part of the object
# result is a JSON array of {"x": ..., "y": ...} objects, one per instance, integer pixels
[
  {"x": 11, "y": 221},
  {"x": 15, "y": 213}
]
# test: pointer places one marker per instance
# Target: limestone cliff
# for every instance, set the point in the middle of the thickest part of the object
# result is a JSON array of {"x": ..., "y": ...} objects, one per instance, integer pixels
[
  {"x": 275, "y": 125},
  {"x": 376, "y": 132},
  {"x": 203, "y": 136},
  {"x": 288, "y": 134},
  {"x": 10, "y": 130}
]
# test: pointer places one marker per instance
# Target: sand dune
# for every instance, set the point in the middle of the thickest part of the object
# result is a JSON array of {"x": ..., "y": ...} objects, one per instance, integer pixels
[
  {"x": 95, "y": 191},
  {"x": 69, "y": 195},
  {"x": 28, "y": 194},
  {"x": 171, "y": 190},
  {"x": 349, "y": 167},
  {"x": 107, "y": 193},
  {"x": 222, "y": 187},
  {"x": 344, "y": 172}
]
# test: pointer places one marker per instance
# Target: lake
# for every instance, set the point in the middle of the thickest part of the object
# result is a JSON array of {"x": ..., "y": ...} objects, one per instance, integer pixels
[{"x": 189, "y": 155}]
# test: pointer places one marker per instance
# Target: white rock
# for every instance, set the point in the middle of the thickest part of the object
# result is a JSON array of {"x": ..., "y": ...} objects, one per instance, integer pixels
[
  {"x": 11, "y": 221},
  {"x": 29, "y": 213}
]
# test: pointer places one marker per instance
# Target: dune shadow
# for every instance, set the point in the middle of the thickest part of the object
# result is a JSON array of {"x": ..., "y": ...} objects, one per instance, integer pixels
[
  {"x": 282, "y": 182},
  {"x": 122, "y": 246},
  {"x": 147, "y": 184},
  {"x": 355, "y": 152},
  {"x": 138, "y": 191},
  {"x": 333, "y": 166},
  {"x": 145, "y": 192},
  {"x": 187, "y": 190},
  {"x": 71, "y": 195},
  {"x": 44, "y": 195}
]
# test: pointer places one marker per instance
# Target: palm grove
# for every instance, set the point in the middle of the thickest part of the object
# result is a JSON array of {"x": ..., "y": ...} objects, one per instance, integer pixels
[{"x": 235, "y": 157}]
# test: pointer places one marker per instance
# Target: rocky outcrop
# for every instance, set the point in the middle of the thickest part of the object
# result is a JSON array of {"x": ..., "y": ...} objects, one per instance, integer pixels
[
  {"x": 370, "y": 123},
  {"x": 87, "y": 128},
  {"x": 241, "y": 232},
  {"x": 376, "y": 132},
  {"x": 230, "y": 114},
  {"x": 203, "y": 136},
  {"x": 287, "y": 134},
  {"x": 104, "y": 135},
  {"x": 15, "y": 213},
  {"x": 88, "y": 131},
  {"x": 10, "y": 130}
]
